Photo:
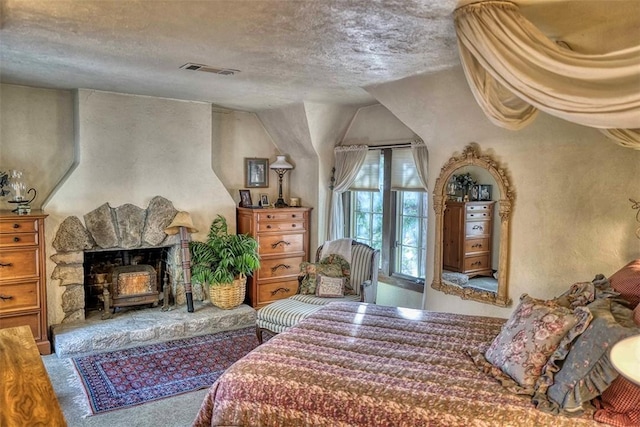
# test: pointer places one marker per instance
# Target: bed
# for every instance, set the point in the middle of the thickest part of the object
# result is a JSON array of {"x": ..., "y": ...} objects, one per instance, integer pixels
[{"x": 356, "y": 364}]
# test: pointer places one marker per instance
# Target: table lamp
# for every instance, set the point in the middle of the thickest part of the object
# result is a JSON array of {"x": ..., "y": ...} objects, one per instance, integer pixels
[{"x": 280, "y": 166}]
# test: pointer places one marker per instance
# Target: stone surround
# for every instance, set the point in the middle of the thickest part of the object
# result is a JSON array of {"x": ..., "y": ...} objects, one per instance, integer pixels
[
  {"x": 132, "y": 327},
  {"x": 107, "y": 228}
]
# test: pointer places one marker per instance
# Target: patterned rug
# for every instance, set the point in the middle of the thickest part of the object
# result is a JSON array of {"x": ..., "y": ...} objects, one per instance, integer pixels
[{"x": 124, "y": 378}]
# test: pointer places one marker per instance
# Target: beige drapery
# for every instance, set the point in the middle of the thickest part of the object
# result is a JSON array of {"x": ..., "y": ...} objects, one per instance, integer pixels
[{"x": 514, "y": 70}]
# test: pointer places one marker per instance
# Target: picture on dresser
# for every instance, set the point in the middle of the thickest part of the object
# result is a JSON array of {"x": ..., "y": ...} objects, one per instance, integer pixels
[
  {"x": 475, "y": 192},
  {"x": 245, "y": 199},
  {"x": 484, "y": 192}
]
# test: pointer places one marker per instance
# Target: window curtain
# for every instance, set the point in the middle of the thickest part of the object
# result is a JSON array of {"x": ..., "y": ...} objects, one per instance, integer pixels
[
  {"x": 514, "y": 70},
  {"x": 348, "y": 160},
  {"x": 421, "y": 159}
]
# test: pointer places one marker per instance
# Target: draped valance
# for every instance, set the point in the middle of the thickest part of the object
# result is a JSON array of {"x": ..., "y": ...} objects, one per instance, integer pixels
[{"x": 514, "y": 70}]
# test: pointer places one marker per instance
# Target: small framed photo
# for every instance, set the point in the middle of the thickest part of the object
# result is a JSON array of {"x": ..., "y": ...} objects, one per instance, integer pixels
[
  {"x": 475, "y": 192},
  {"x": 264, "y": 200},
  {"x": 245, "y": 199},
  {"x": 484, "y": 192},
  {"x": 256, "y": 173}
]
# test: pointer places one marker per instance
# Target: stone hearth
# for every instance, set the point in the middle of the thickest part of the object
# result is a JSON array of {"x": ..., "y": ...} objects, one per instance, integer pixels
[
  {"x": 132, "y": 327},
  {"x": 106, "y": 228}
]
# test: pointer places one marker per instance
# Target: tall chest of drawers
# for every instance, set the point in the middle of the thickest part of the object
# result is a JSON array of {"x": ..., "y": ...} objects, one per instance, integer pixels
[
  {"x": 23, "y": 297},
  {"x": 283, "y": 239},
  {"x": 467, "y": 236}
]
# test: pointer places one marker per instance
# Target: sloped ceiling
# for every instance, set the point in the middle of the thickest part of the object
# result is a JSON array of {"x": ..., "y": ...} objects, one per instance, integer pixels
[{"x": 286, "y": 51}]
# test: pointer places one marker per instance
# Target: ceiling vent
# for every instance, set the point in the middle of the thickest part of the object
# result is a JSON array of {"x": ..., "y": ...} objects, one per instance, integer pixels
[{"x": 209, "y": 69}]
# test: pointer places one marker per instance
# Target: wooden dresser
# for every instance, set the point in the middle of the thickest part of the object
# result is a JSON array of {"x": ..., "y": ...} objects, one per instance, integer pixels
[
  {"x": 467, "y": 236},
  {"x": 283, "y": 238},
  {"x": 23, "y": 296}
]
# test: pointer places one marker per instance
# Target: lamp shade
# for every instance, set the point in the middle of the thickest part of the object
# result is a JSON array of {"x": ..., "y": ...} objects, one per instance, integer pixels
[
  {"x": 182, "y": 219},
  {"x": 625, "y": 358},
  {"x": 281, "y": 163}
]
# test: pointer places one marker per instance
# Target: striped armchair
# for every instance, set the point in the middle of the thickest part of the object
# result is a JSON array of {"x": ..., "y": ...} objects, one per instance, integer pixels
[{"x": 281, "y": 315}]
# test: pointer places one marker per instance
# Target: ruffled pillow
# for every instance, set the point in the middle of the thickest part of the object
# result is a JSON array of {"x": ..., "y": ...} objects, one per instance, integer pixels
[
  {"x": 627, "y": 282},
  {"x": 330, "y": 266},
  {"x": 587, "y": 370},
  {"x": 533, "y": 332}
]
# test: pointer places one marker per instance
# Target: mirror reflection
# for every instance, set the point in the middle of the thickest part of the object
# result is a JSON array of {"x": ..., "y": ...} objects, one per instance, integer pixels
[{"x": 473, "y": 202}]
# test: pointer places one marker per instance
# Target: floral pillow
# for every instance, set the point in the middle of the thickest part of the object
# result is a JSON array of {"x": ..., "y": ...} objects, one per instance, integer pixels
[
  {"x": 583, "y": 293},
  {"x": 586, "y": 371},
  {"x": 330, "y": 266},
  {"x": 532, "y": 333}
]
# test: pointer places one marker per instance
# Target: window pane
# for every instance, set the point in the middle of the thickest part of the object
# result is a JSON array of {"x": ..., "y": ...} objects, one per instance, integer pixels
[
  {"x": 410, "y": 230},
  {"x": 409, "y": 262},
  {"x": 363, "y": 201}
]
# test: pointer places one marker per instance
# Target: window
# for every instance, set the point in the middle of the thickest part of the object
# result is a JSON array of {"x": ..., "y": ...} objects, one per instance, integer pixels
[{"x": 387, "y": 209}]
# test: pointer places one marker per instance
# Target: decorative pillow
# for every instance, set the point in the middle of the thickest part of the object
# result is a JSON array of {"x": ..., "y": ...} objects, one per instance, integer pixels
[
  {"x": 330, "y": 287},
  {"x": 627, "y": 282},
  {"x": 331, "y": 266},
  {"x": 619, "y": 405},
  {"x": 583, "y": 293},
  {"x": 587, "y": 370},
  {"x": 530, "y": 336}
]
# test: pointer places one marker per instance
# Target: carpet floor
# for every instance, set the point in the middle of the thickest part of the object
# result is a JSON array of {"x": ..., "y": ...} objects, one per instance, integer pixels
[{"x": 125, "y": 378}]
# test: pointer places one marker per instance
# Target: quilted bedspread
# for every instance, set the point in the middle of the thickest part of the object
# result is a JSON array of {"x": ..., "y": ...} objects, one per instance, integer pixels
[{"x": 353, "y": 364}]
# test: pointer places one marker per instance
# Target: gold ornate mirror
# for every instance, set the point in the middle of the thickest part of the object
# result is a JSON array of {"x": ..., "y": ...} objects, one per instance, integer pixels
[{"x": 472, "y": 231}]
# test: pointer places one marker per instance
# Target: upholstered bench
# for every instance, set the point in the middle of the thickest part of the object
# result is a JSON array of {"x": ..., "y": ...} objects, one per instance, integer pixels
[{"x": 280, "y": 315}]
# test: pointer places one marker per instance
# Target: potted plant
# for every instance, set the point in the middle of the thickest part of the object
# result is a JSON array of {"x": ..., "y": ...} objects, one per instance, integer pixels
[{"x": 223, "y": 262}]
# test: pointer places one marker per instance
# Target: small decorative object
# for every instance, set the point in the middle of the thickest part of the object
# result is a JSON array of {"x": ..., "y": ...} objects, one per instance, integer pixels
[
  {"x": 245, "y": 199},
  {"x": 294, "y": 202},
  {"x": 636, "y": 205},
  {"x": 256, "y": 175},
  {"x": 20, "y": 192},
  {"x": 464, "y": 182},
  {"x": 484, "y": 192},
  {"x": 264, "y": 200},
  {"x": 4, "y": 183},
  {"x": 223, "y": 261},
  {"x": 280, "y": 166},
  {"x": 183, "y": 224}
]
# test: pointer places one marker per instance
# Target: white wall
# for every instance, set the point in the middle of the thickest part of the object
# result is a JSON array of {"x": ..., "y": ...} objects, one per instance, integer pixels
[
  {"x": 36, "y": 136},
  {"x": 130, "y": 149},
  {"x": 572, "y": 217}
]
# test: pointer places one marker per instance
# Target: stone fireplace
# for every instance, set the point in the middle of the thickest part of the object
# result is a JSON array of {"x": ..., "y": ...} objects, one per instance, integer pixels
[{"x": 125, "y": 235}]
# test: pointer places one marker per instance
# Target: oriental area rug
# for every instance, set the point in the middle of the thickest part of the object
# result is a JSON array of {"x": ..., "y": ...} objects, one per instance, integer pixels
[{"x": 125, "y": 378}]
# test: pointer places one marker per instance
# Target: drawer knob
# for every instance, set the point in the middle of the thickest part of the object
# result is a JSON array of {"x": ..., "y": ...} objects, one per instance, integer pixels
[
  {"x": 6, "y": 265},
  {"x": 293, "y": 216},
  {"x": 280, "y": 242},
  {"x": 279, "y": 266},
  {"x": 277, "y": 291},
  {"x": 293, "y": 226},
  {"x": 16, "y": 239},
  {"x": 269, "y": 216},
  {"x": 6, "y": 297},
  {"x": 16, "y": 225},
  {"x": 268, "y": 226}
]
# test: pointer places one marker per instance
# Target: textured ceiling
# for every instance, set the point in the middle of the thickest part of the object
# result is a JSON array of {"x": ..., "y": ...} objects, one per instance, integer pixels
[{"x": 286, "y": 51}]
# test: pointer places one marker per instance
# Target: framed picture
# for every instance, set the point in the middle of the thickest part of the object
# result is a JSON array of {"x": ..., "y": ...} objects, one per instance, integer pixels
[
  {"x": 475, "y": 192},
  {"x": 245, "y": 199},
  {"x": 256, "y": 173},
  {"x": 264, "y": 200},
  {"x": 484, "y": 192}
]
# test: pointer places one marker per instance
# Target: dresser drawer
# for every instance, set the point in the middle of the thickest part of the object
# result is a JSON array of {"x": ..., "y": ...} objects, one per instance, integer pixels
[
  {"x": 30, "y": 319},
  {"x": 269, "y": 292},
  {"x": 478, "y": 262},
  {"x": 19, "y": 263},
  {"x": 18, "y": 239},
  {"x": 478, "y": 215},
  {"x": 279, "y": 216},
  {"x": 476, "y": 245},
  {"x": 477, "y": 228},
  {"x": 472, "y": 208},
  {"x": 19, "y": 225},
  {"x": 280, "y": 267},
  {"x": 281, "y": 243},
  {"x": 19, "y": 296},
  {"x": 281, "y": 226}
]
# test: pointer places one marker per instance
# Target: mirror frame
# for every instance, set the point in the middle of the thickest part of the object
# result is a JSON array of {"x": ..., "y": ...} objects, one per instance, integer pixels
[{"x": 471, "y": 157}]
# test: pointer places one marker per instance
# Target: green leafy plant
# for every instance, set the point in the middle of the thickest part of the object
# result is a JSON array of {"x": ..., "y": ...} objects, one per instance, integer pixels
[{"x": 223, "y": 256}]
